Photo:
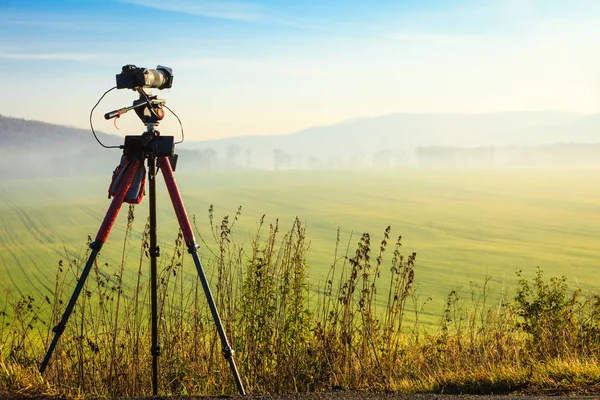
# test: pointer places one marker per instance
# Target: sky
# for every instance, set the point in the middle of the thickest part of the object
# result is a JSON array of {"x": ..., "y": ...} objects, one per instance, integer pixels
[{"x": 264, "y": 67}]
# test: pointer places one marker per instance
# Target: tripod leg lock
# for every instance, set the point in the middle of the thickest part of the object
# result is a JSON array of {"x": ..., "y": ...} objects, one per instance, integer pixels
[
  {"x": 96, "y": 245},
  {"x": 156, "y": 351},
  {"x": 155, "y": 251},
  {"x": 59, "y": 328},
  {"x": 192, "y": 247},
  {"x": 228, "y": 352}
]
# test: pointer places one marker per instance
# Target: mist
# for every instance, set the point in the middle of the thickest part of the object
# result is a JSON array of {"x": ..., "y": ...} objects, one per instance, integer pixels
[{"x": 539, "y": 139}]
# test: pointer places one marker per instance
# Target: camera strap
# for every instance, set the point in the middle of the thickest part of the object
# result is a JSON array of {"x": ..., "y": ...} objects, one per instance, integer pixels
[{"x": 135, "y": 194}]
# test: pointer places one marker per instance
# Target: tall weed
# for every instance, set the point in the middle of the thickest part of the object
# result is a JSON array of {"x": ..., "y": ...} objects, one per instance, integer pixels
[{"x": 358, "y": 329}]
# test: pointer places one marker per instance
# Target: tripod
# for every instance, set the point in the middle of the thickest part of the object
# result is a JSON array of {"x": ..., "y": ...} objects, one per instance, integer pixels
[{"x": 157, "y": 150}]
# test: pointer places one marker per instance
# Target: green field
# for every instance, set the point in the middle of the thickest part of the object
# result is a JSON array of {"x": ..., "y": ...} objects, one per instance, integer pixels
[{"x": 465, "y": 225}]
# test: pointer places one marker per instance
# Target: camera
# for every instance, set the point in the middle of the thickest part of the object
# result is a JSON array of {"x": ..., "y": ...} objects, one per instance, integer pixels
[{"x": 132, "y": 77}]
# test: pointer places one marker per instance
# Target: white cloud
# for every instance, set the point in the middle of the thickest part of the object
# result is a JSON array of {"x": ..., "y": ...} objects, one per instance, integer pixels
[{"x": 213, "y": 9}]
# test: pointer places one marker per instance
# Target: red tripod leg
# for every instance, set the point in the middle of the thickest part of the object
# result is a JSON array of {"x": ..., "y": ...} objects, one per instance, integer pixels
[
  {"x": 182, "y": 218},
  {"x": 115, "y": 205},
  {"x": 101, "y": 237},
  {"x": 188, "y": 235}
]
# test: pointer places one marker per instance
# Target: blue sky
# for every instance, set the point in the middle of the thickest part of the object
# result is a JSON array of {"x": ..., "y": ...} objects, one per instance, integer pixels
[{"x": 270, "y": 67}]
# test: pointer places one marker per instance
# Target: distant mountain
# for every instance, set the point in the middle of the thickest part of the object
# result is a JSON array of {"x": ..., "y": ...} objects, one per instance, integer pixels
[
  {"x": 19, "y": 133},
  {"x": 404, "y": 133},
  {"x": 38, "y": 149}
]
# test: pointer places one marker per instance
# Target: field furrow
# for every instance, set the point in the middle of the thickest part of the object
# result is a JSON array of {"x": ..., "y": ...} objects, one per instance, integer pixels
[{"x": 34, "y": 227}]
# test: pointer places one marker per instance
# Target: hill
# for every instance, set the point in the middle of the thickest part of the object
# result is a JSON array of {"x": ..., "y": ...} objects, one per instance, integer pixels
[
  {"x": 37, "y": 149},
  {"x": 364, "y": 142},
  {"x": 19, "y": 133}
]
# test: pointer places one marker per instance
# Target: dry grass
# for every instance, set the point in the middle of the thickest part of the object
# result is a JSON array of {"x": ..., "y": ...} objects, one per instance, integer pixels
[{"x": 353, "y": 330}]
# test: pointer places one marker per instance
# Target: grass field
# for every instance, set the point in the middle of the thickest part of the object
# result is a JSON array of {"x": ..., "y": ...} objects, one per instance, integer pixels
[{"x": 464, "y": 225}]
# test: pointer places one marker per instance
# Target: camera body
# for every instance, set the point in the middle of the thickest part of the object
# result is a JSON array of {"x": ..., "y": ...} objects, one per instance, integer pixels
[{"x": 132, "y": 77}]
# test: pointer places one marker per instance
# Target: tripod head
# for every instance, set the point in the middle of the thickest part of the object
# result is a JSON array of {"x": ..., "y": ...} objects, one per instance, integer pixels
[{"x": 148, "y": 107}]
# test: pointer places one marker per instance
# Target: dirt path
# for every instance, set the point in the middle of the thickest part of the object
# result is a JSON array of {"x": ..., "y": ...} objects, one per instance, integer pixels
[
  {"x": 339, "y": 395},
  {"x": 336, "y": 395}
]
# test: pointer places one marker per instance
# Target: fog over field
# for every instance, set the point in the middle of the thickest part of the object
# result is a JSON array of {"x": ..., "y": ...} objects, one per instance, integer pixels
[{"x": 545, "y": 138}]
